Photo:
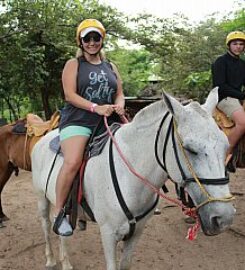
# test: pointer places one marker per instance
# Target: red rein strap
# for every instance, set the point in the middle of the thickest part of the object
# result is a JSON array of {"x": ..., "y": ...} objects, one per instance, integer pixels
[
  {"x": 84, "y": 162},
  {"x": 192, "y": 232},
  {"x": 81, "y": 176}
]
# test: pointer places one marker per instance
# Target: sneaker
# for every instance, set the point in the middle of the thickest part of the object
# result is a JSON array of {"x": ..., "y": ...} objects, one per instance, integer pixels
[
  {"x": 82, "y": 225},
  {"x": 63, "y": 228}
]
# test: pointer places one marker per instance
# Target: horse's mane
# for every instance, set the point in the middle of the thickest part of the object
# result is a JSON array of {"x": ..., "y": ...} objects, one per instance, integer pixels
[{"x": 149, "y": 114}]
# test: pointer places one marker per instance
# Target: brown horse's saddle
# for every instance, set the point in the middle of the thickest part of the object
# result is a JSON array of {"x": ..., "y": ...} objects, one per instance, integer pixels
[
  {"x": 226, "y": 124},
  {"x": 37, "y": 127},
  {"x": 34, "y": 128}
]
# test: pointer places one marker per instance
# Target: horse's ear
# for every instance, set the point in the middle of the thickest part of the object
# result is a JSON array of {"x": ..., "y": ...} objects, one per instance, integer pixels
[
  {"x": 212, "y": 101},
  {"x": 173, "y": 105}
]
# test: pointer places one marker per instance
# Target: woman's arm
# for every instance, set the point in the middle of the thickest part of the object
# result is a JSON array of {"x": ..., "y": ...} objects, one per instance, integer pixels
[{"x": 69, "y": 82}]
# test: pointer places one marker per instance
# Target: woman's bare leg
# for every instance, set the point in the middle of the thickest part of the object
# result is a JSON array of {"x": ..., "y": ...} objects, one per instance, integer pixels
[{"x": 73, "y": 151}]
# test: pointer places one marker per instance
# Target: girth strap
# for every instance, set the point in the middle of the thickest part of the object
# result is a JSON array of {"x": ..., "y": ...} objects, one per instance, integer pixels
[
  {"x": 51, "y": 170},
  {"x": 131, "y": 219}
]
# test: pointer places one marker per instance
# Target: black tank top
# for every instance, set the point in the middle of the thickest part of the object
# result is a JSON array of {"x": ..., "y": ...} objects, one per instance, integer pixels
[{"x": 96, "y": 83}]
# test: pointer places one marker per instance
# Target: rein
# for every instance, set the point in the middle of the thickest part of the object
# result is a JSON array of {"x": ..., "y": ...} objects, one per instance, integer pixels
[
  {"x": 131, "y": 169},
  {"x": 172, "y": 128}
]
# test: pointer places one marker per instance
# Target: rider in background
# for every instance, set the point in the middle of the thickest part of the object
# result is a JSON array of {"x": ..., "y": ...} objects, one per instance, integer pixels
[
  {"x": 228, "y": 73},
  {"x": 92, "y": 88}
]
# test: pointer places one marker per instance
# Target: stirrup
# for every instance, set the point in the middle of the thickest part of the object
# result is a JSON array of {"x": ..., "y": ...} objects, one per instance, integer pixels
[{"x": 58, "y": 221}]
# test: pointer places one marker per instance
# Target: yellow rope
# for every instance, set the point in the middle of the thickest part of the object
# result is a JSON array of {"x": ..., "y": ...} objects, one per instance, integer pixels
[{"x": 209, "y": 198}]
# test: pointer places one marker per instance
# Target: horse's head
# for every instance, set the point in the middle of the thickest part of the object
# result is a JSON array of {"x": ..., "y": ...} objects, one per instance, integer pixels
[{"x": 199, "y": 151}]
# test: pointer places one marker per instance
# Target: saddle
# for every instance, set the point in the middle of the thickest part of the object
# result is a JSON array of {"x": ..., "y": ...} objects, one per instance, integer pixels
[
  {"x": 94, "y": 147},
  {"x": 226, "y": 125},
  {"x": 34, "y": 128}
]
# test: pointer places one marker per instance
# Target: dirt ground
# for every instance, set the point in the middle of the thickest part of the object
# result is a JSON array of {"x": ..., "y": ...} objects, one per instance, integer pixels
[{"x": 162, "y": 245}]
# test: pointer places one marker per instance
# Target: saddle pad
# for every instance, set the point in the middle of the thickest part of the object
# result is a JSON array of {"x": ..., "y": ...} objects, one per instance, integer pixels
[
  {"x": 54, "y": 145},
  {"x": 19, "y": 128},
  {"x": 98, "y": 143}
]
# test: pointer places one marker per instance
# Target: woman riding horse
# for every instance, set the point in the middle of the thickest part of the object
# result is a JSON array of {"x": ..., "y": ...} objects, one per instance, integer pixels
[{"x": 92, "y": 88}]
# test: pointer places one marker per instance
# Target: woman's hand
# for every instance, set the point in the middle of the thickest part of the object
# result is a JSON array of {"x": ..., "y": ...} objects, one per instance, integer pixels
[
  {"x": 105, "y": 110},
  {"x": 119, "y": 109}
]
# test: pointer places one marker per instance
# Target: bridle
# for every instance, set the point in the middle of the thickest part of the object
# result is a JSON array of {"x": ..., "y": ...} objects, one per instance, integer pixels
[
  {"x": 172, "y": 130},
  {"x": 173, "y": 133}
]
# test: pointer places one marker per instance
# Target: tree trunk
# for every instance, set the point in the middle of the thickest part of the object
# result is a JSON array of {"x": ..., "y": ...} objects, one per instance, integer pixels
[
  {"x": 45, "y": 102},
  {"x": 11, "y": 109}
]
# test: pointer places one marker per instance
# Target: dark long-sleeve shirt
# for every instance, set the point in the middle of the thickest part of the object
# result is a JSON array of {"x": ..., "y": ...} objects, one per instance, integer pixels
[{"x": 228, "y": 74}]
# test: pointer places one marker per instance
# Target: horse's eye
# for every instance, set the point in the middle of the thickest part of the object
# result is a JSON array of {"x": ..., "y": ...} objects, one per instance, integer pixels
[{"x": 191, "y": 151}]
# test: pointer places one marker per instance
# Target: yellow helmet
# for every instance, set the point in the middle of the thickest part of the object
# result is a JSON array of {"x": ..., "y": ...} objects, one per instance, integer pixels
[
  {"x": 234, "y": 36},
  {"x": 89, "y": 25}
]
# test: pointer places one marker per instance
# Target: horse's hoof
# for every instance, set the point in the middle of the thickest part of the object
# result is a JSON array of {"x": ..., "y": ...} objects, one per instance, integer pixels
[
  {"x": 51, "y": 264},
  {"x": 4, "y": 218},
  {"x": 55, "y": 267},
  {"x": 2, "y": 225},
  {"x": 157, "y": 212},
  {"x": 67, "y": 266}
]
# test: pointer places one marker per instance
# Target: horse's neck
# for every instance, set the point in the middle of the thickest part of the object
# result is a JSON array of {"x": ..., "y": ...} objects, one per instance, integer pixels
[
  {"x": 146, "y": 123},
  {"x": 137, "y": 140}
]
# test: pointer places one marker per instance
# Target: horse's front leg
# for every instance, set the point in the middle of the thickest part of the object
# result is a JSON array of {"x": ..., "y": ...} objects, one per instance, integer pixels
[
  {"x": 128, "y": 248},
  {"x": 5, "y": 172},
  {"x": 64, "y": 256},
  {"x": 109, "y": 245},
  {"x": 44, "y": 209},
  {"x": 3, "y": 217}
]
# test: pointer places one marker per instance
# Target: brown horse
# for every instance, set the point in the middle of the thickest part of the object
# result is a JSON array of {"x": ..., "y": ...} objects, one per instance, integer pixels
[
  {"x": 16, "y": 143},
  {"x": 13, "y": 156}
]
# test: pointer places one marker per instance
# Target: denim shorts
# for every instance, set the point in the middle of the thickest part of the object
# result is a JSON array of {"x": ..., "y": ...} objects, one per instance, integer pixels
[
  {"x": 229, "y": 106},
  {"x": 71, "y": 131}
]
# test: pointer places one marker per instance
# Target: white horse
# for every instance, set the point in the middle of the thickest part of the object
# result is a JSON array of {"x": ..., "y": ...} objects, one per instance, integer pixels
[{"x": 204, "y": 147}]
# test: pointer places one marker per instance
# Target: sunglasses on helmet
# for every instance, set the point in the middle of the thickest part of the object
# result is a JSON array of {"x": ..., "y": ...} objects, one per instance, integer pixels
[{"x": 92, "y": 36}]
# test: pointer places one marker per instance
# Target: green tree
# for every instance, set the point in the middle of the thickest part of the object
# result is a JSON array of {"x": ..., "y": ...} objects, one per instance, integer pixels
[{"x": 134, "y": 66}]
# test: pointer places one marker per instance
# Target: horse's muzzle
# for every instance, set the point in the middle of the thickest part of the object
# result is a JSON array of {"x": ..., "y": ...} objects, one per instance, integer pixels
[{"x": 220, "y": 220}]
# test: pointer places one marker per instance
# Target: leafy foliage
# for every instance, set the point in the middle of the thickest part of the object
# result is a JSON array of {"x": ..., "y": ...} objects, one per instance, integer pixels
[{"x": 38, "y": 36}]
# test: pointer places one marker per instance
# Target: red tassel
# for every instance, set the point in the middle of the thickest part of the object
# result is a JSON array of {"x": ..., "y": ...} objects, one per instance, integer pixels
[{"x": 192, "y": 232}]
